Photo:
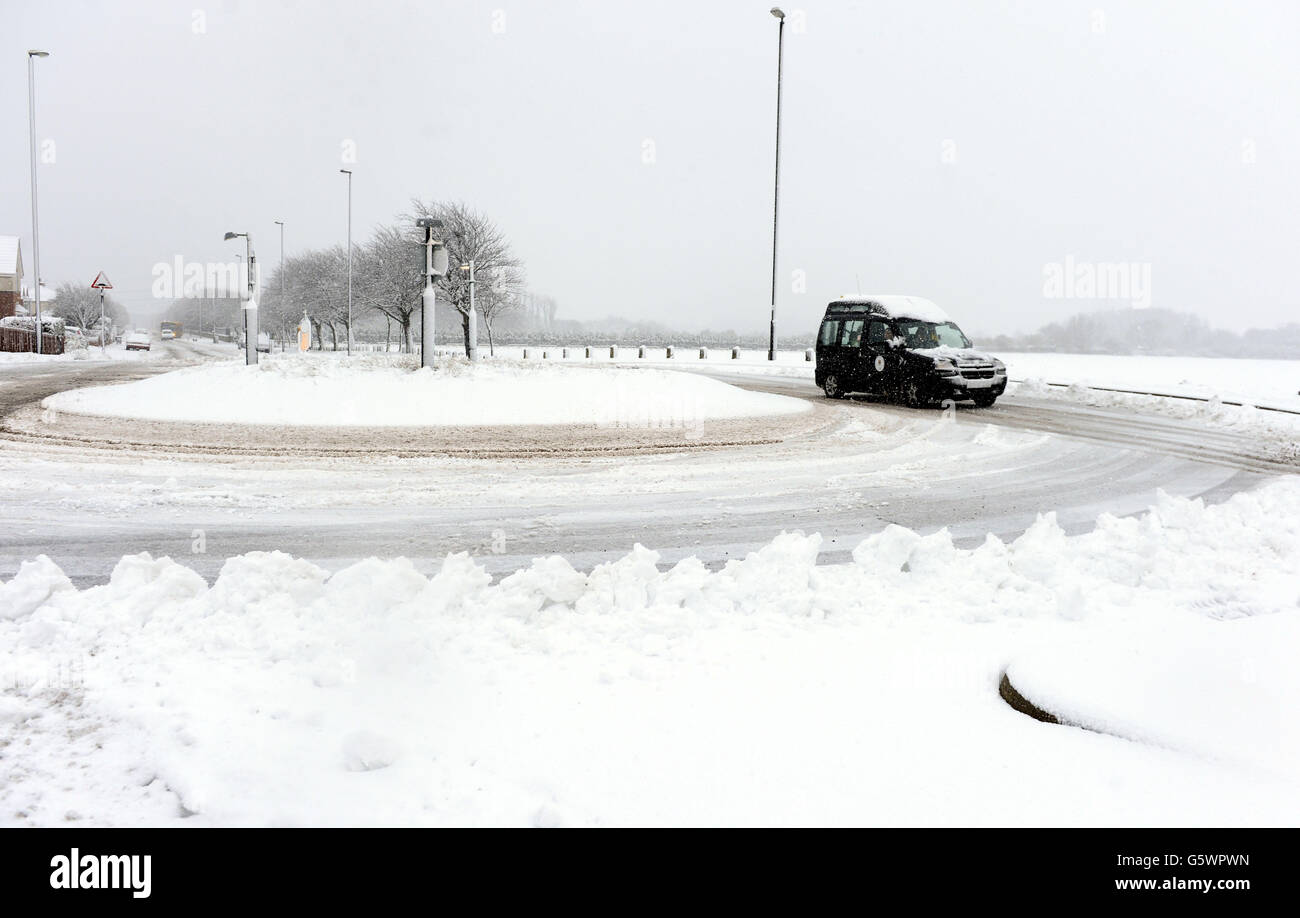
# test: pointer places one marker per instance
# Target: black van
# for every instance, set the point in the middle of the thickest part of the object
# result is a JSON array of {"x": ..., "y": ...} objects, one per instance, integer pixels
[{"x": 903, "y": 347}]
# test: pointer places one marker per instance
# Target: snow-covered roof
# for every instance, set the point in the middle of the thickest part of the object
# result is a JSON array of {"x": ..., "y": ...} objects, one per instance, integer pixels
[
  {"x": 8, "y": 254},
  {"x": 900, "y": 306},
  {"x": 47, "y": 293}
]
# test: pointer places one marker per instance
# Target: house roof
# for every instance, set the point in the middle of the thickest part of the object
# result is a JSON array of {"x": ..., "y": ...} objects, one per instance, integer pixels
[{"x": 10, "y": 260}]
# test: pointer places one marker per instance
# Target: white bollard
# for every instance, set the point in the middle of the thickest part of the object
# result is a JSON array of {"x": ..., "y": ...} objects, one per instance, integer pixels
[
  {"x": 640, "y": 352},
  {"x": 668, "y": 352},
  {"x": 545, "y": 355},
  {"x": 588, "y": 353},
  {"x": 564, "y": 353},
  {"x": 808, "y": 355},
  {"x": 613, "y": 353},
  {"x": 704, "y": 353},
  {"x": 735, "y": 353}
]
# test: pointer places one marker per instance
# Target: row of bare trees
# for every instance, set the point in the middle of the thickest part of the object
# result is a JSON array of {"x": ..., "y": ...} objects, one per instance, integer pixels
[{"x": 388, "y": 278}]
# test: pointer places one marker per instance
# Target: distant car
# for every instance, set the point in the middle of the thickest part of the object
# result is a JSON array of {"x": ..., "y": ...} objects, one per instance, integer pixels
[
  {"x": 137, "y": 341},
  {"x": 168, "y": 334}
]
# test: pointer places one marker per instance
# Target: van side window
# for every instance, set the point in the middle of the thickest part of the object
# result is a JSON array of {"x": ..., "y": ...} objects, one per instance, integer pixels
[
  {"x": 851, "y": 336},
  {"x": 878, "y": 332},
  {"x": 830, "y": 332}
]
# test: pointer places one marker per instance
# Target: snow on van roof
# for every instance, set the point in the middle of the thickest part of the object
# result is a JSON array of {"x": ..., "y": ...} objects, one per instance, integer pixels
[{"x": 901, "y": 306}]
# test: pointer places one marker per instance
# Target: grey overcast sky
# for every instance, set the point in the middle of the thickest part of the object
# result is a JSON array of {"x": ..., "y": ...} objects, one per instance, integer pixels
[{"x": 948, "y": 149}]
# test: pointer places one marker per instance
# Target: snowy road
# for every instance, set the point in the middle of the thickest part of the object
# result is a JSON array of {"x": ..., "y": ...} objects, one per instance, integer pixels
[{"x": 976, "y": 472}]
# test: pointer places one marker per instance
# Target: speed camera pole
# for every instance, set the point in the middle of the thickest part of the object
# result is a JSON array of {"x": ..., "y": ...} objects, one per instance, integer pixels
[{"x": 435, "y": 265}]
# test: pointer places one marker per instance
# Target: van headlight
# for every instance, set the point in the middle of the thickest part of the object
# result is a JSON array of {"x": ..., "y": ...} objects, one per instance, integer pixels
[
  {"x": 999, "y": 368},
  {"x": 944, "y": 366}
]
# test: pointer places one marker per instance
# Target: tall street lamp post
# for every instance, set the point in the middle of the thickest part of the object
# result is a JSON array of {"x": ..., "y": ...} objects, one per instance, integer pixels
[
  {"x": 36, "y": 231},
  {"x": 250, "y": 304},
  {"x": 348, "y": 173},
  {"x": 280, "y": 223},
  {"x": 776, "y": 193}
]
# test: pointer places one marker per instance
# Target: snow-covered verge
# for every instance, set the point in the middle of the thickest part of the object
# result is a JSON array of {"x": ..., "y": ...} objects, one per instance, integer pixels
[
  {"x": 772, "y": 691},
  {"x": 382, "y": 390},
  {"x": 1277, "y": 433},
  {"x": 1254, "y": 382},
  {"x": 88, "y": 353}
]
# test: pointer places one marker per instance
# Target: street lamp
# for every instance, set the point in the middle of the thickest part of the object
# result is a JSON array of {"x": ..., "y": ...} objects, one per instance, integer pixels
[
  {"x": 250, "y": 307},
  {"x": 348, "y": 173},
  {"x": 36, "y": 232},
  {"x": 280, "y": 223},
  {"x": 473, "y": 315},
  {"x": 776, "y": 193}
]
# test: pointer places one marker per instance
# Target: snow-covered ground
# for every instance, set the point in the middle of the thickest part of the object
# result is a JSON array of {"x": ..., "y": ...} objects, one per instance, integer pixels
[
  {"x": 111, "y": 352},
  {"x": 773, "y": 691},
  {"x": 1255, "y": 382},
  {"x": 381, "y": 390}
]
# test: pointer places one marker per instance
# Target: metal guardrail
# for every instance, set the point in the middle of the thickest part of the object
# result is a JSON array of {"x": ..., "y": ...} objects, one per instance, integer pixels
[{"x": 1189, "y": 398}]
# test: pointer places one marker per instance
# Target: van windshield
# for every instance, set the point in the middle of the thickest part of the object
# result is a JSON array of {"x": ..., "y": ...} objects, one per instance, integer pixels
[{"x": 921, "y": 335}]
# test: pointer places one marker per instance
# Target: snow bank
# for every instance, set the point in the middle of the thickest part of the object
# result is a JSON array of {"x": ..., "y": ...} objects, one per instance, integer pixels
[
  {"x": 365, "y": 391},
  {"x": 773, "y": 690}
]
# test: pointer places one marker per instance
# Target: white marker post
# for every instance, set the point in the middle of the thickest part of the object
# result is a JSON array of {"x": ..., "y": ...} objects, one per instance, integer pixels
[{"x": 101, "y": 284}]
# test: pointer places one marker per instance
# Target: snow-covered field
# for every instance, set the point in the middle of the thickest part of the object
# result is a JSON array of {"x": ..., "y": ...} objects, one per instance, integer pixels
[
  {"x": 1255, "y": 382},
  {"x": 772, "y": 691},
  {"x": 328, "y": 389}
]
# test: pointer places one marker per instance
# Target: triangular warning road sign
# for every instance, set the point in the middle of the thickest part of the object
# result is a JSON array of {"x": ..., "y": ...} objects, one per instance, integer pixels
[{"x": 101, "y": 282}]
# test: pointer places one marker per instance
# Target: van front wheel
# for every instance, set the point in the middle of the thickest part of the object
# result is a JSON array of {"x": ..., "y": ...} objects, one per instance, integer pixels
[
  {"x": 984, "y": 400},
  {"x": 831, "y": 386}
]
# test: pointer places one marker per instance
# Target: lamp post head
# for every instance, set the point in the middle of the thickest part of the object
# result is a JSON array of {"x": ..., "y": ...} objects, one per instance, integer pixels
[
  {"x": 778, "y": 12},
  {"x": 35, "y": 53},
  {"x": 346, "y": 171},
  {"x": 278, "y": 222}
]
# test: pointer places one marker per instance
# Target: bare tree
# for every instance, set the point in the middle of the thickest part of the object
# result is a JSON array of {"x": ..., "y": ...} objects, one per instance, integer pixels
[
  {"x": 390, "y": 272},
  {"x": 79, "y": 306},
  {"x": 468, "y": 235}
]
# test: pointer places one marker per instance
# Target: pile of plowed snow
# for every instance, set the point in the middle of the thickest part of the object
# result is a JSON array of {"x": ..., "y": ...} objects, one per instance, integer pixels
[{"x": 772, "y": 691}]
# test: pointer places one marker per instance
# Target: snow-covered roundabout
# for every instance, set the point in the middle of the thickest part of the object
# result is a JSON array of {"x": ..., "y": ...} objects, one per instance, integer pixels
[{"x": 386, "y": 404}]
